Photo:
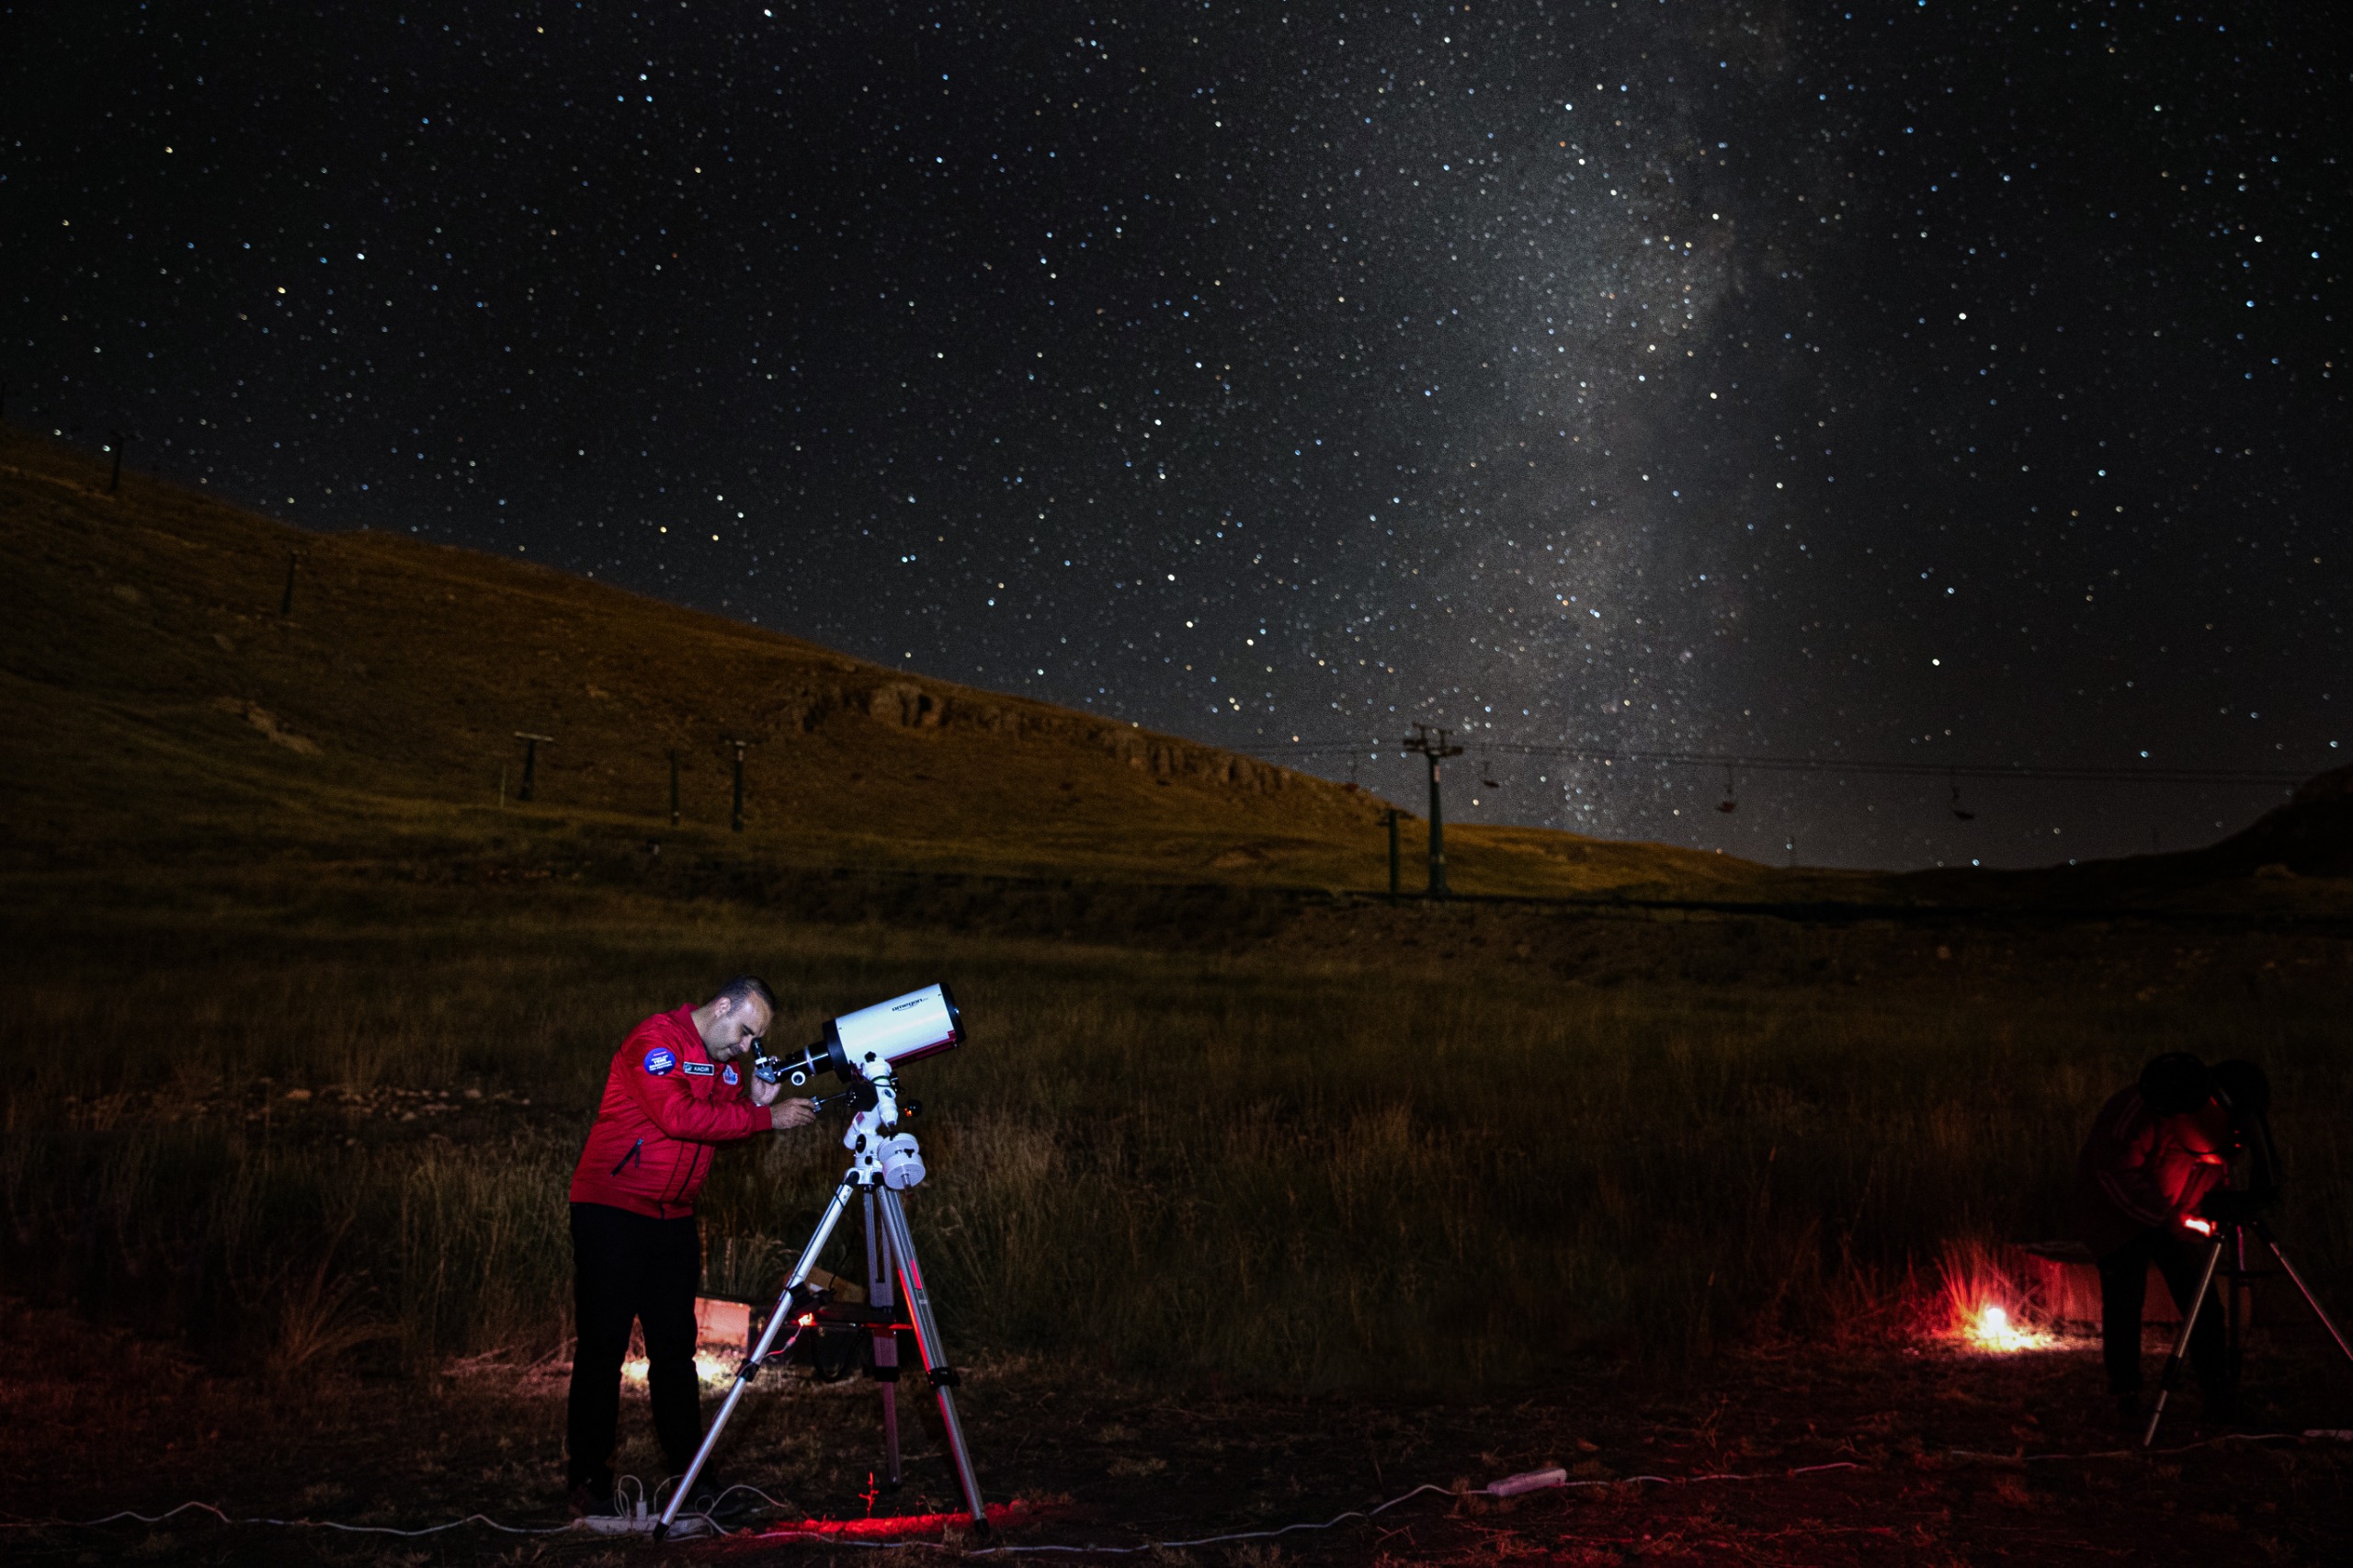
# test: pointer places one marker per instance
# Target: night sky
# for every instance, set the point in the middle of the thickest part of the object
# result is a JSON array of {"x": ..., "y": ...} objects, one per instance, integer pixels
[{"x": 1944, "y": 384}]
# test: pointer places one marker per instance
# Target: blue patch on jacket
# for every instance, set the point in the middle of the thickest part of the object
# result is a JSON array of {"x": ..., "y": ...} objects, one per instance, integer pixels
[{"x": 660, "y": 1060}]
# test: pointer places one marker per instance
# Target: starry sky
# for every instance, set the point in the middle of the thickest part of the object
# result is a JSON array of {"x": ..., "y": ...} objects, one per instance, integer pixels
[{"x": 1914, "y": 383}]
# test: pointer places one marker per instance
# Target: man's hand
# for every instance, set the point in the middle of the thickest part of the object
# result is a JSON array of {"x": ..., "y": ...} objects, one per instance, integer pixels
[
  {"x": 763, "y": 1092},
  {"x": 792, "y": 1113}
]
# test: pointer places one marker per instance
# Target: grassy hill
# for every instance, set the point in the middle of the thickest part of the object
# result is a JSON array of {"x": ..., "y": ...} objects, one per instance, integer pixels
[
  {"x": 165, "y": 706},
  {"x": 173, "y": 707}
]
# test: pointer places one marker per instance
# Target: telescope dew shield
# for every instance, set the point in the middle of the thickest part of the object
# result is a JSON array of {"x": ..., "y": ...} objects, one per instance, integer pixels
[{"x": 906, "y": 1028}]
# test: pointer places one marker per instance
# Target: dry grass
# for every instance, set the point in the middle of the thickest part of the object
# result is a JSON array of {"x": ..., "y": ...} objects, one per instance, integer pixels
[{"x": 1323, "y": 1169}]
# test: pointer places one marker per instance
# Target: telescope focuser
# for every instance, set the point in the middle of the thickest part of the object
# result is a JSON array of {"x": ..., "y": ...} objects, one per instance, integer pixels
[{"x": 796, "y": 1071}]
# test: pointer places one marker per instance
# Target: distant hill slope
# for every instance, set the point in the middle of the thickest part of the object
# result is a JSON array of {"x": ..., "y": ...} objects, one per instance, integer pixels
[
  {"x": 161, "y": 706},
  {"x": 2311, "y": 835}
]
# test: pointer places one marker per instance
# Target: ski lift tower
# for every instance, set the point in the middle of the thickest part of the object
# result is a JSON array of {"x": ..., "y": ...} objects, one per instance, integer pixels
[{"x": 1433, "y": 748}]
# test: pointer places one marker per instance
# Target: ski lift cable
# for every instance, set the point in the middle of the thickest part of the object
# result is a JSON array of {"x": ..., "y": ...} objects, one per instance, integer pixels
[{"x": 1889, "y": 768}]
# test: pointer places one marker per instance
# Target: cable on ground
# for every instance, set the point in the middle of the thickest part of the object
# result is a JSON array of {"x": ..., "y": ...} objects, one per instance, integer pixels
[{"x": 2314, "y": 1434}]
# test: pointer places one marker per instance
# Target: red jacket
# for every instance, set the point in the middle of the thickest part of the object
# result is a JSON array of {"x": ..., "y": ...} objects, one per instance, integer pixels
[
  {"x": 2141, "y": 1171},
  {"x": 666, "y": 1103}
]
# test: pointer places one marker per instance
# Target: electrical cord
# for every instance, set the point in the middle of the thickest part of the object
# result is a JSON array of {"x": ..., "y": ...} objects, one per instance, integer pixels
[
  {"x": 642, "y": 1505},
  {"x": 483, "y": 1519},
  {"x": 1378, "y": 1509},
  {"x": 625, "y": 1488}
]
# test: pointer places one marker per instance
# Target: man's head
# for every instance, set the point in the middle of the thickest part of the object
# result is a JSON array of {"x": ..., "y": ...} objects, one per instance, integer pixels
[
  {"x": 2176, "y": 1083},
  {"x": 736, "y": 1018}
]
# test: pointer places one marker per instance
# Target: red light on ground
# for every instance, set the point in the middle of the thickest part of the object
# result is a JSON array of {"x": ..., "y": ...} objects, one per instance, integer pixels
[
  {"x": 2201, "y": 1227},
  {"x": 903, "y": 1526},
  {"x": 1992, "y": 1328}
]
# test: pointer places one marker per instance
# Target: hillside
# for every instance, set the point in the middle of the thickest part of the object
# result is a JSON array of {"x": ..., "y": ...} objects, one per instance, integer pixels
[
  {"x": 166, "y": 709},
  {"x": 2311, "y": 835}
]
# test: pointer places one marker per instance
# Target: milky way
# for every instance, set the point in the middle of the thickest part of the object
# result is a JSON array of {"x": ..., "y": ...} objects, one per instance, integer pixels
[{"x": 1907, "y": 383}]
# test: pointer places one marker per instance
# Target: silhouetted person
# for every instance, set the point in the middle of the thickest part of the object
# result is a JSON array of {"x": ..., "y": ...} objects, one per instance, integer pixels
[
  {"x": 674, "y": 1092},
  {"x": 2156, "y": 1150}
]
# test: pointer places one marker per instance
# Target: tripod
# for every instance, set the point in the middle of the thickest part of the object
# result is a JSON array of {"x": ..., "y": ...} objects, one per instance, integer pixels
[
  {"x": 883, "y": 1165},
  {"x": 2230, "y": 1237}
]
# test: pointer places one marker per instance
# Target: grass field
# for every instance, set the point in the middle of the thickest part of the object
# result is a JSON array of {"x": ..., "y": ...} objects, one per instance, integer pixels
[{"x": 1367, "y": 1147}]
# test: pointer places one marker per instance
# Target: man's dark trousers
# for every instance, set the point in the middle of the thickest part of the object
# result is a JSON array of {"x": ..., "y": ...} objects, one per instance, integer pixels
[
  {"x": 630, "y": 1266},
  {"x": 2124, "y": 1286}
]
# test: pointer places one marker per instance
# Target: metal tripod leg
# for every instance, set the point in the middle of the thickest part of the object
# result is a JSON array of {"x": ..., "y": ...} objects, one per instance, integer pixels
[
  {"x": 743, "y": 1374},
  {"x": 2172, "y": 1377},
  {"x": 935, "y": 1357},
  {"x": 2310, "y": 1299},
  {"x": 885, "y": 1356},
  {"x": 2239, "y": 1293}
]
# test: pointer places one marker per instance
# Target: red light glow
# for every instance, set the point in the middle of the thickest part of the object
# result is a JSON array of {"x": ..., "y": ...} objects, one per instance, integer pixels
[
  {"x": 1990, "y": 1305},
  {"x": 2201, "y": 1227},
  {"x": 906, "y": 1525},
  {"x": 1993, "y": 1329}
]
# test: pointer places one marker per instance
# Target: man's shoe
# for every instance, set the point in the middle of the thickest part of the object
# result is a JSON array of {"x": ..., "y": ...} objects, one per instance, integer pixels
[{"x": 592, "y": 1498}]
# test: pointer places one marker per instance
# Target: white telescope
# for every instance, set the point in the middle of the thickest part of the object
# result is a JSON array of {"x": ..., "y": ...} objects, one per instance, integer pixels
[{"x": 906, "y": 1028}]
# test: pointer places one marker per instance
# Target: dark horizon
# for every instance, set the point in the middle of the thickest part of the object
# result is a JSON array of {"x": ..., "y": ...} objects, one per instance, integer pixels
[{"x": 1903, "y": 385}]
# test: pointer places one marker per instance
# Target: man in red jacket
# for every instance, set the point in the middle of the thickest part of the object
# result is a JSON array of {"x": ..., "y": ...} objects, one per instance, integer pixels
[
  {"x": 2156, "y": 1150},
  {"x": 680, "y": 1085}
]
